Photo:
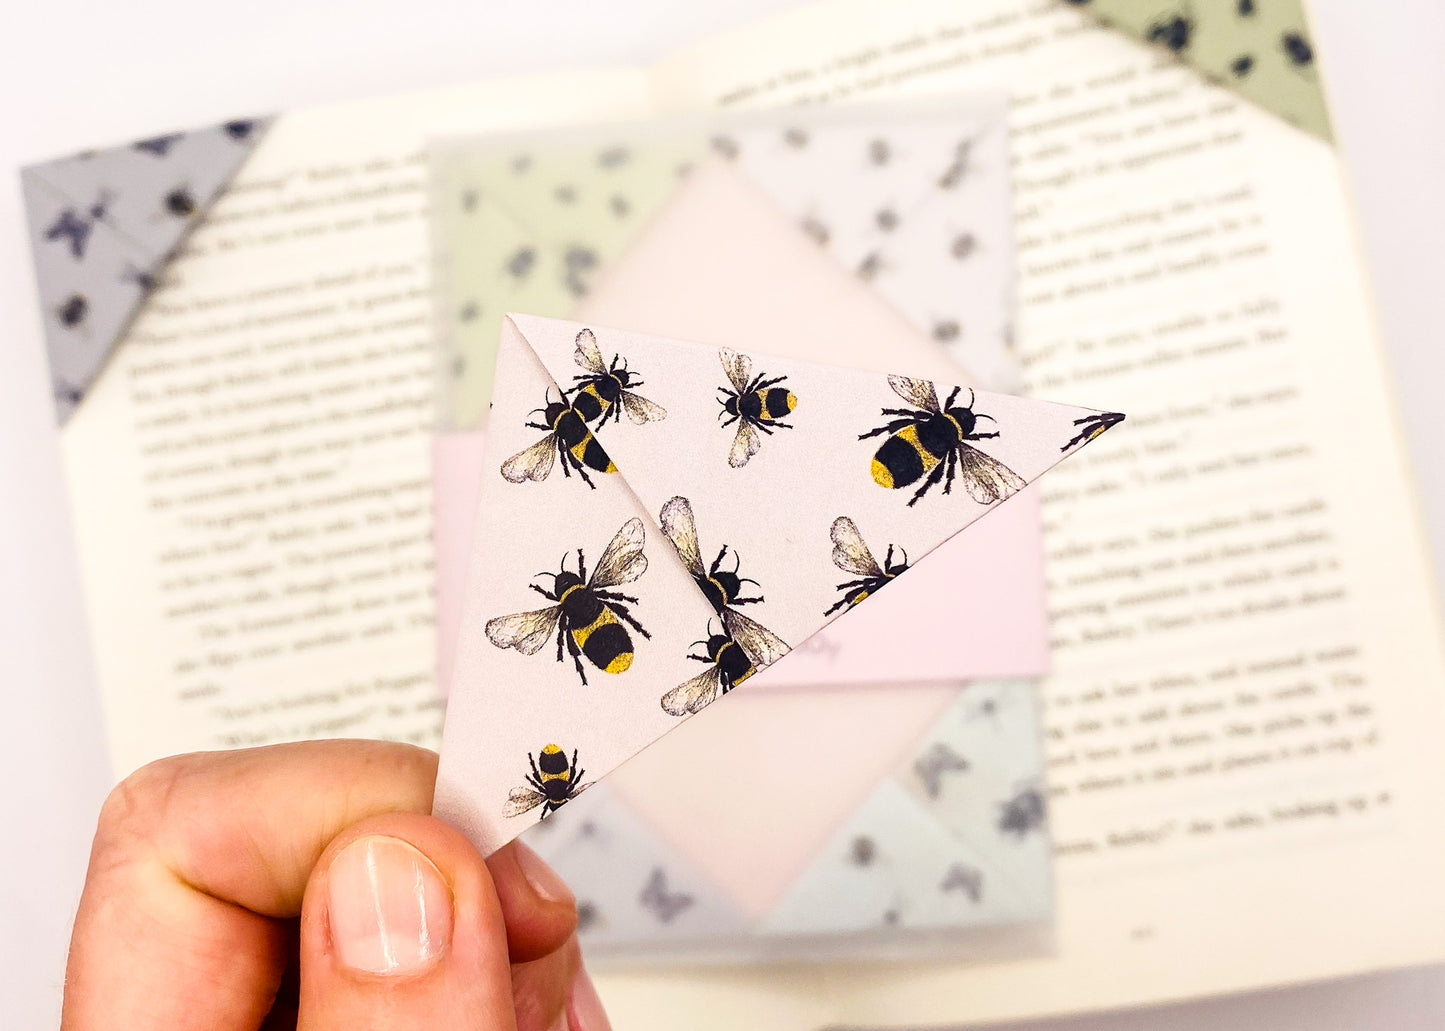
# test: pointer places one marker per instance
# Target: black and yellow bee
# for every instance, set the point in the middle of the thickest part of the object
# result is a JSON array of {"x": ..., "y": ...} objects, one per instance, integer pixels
[
  {"x": 729, "y": 663},
  {"x": 754, "y": 403},
  {"x": 588, "y": 615},
  {"x": 554, "y": 781},
  {"x": 722, "y": 589},
  {"x": 1090, "y": 426},
  {"x": 567, "y": 436},
  {"x": 931, "y": 439},
  {"x": 851, "y": 555},
  {"x": 604, "y": 386}
]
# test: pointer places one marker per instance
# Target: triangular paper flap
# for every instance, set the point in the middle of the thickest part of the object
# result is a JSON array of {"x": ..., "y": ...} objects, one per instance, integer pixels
[
  {"x": 777, "y": 513},
  {"x": 895, "y": 867},
  {"x": 1261, "y": 49},
  {"x": 575, "y": 653},
  {"x": 104, "y": 223}
]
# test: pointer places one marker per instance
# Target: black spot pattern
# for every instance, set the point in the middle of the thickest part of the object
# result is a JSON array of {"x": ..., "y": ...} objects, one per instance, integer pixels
[
  {"x": 1297, "y": 49},
  {"x": 521, "y": 262},
  {"x": 946, "y": 330},
  {"x": 1173, "y": 32},
  {"x": 158, "y": 146},
  {"x": 726, "y": 146},
  {"x": 73, "y": 311},
  {"x": 816, "y": 230},
  {"x": 180, "y": 203},
  {"x": 613, "y": 157}
]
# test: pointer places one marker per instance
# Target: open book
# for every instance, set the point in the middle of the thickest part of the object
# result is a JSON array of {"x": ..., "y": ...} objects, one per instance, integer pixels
[{"x": 1244, "y": 780}]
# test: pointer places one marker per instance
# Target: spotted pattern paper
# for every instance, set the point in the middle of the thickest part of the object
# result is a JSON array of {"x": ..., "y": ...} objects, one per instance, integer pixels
[
  {"x": 103, "y": 225},
  {"x": 1262, "y": 49}
]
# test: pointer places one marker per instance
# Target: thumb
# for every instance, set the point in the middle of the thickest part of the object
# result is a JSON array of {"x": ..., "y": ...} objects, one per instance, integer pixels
[{"x": 401, "y": 929}]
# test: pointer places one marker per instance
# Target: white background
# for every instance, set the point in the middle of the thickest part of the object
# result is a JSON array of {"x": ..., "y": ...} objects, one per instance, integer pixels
[{"x": 75, "y": 73}]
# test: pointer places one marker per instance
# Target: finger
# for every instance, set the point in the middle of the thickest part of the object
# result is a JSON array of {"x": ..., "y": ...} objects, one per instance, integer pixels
[
  {"x": 539, "y": 909},
  {"x": 555, "y": 994},
  {"x": 401, "y": 929},
  {"x": 193, "y": 854}
]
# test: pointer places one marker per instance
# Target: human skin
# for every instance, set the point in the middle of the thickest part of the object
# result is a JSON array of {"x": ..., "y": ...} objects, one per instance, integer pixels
[{"x": 307, "y": 886}]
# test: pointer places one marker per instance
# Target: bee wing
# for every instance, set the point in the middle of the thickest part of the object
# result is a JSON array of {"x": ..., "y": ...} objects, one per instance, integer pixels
[
  {"x": 522, "y": 800},
  {"x": 917, "y": 392},
  {"x": 535, "y": 463},
  {"x": 524, "y": 631},
  {"x": 986, "y": 478},
  {"x": 739, "y": 368},
  {"x": 746, "y": 442},
  {"x": 850, "y": 554},
  {"x": 762, "y": 645},
  {"x": 623, "y": 561},
  {"x": 678, "y": 527},
  {"x": 587, "y": 354},
  {"x": 692, "y": 696},
  {"x": 640, "y": 410}
]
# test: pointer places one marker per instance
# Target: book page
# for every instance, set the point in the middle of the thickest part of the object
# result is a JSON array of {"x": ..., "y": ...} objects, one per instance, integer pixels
[
  {"x": 1242, "y": 722},
  {"x": 251, "y": 474}
]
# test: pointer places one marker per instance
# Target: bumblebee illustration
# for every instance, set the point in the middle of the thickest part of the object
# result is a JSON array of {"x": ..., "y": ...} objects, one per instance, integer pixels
[
  {"x": 729, "y": 663},
  {"x": 588, "y": 615},
  {"x": 851, "y": 555},
  {"x": 1090, "y": 426},
  {"x": 931, "y": 439},
  {"x": 600, "y": 390},
  {"x": 723, "y": 589},
  {"x": 567, "y": 436},
  {"x": 756, "y": 404},
  {"x": 553, "y": 782}
]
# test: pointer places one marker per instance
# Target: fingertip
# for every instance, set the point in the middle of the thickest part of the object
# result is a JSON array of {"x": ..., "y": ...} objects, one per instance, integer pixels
[
  {"x": 401, "y": 918},
  {"x": 539, "y": 909}
]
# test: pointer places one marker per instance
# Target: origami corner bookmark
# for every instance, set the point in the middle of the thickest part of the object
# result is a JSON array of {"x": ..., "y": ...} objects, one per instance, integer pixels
[
  {"x": 104, "y": 224},
  {"x": 667, "y": 519}
]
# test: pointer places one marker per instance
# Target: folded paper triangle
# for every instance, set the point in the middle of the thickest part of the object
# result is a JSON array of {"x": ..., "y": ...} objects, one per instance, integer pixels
[
  {"x": 104, "y": 224},
  {"x": 1262, "y": 51},
  {"x": 667, "y": 519}
]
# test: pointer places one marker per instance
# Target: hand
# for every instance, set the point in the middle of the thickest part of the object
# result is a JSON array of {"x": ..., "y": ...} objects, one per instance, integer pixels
[{"x": 305, "y": 886}]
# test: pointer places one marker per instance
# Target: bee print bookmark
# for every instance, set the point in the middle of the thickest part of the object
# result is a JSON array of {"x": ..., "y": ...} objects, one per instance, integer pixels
[{"x": 715, "y": 508}]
